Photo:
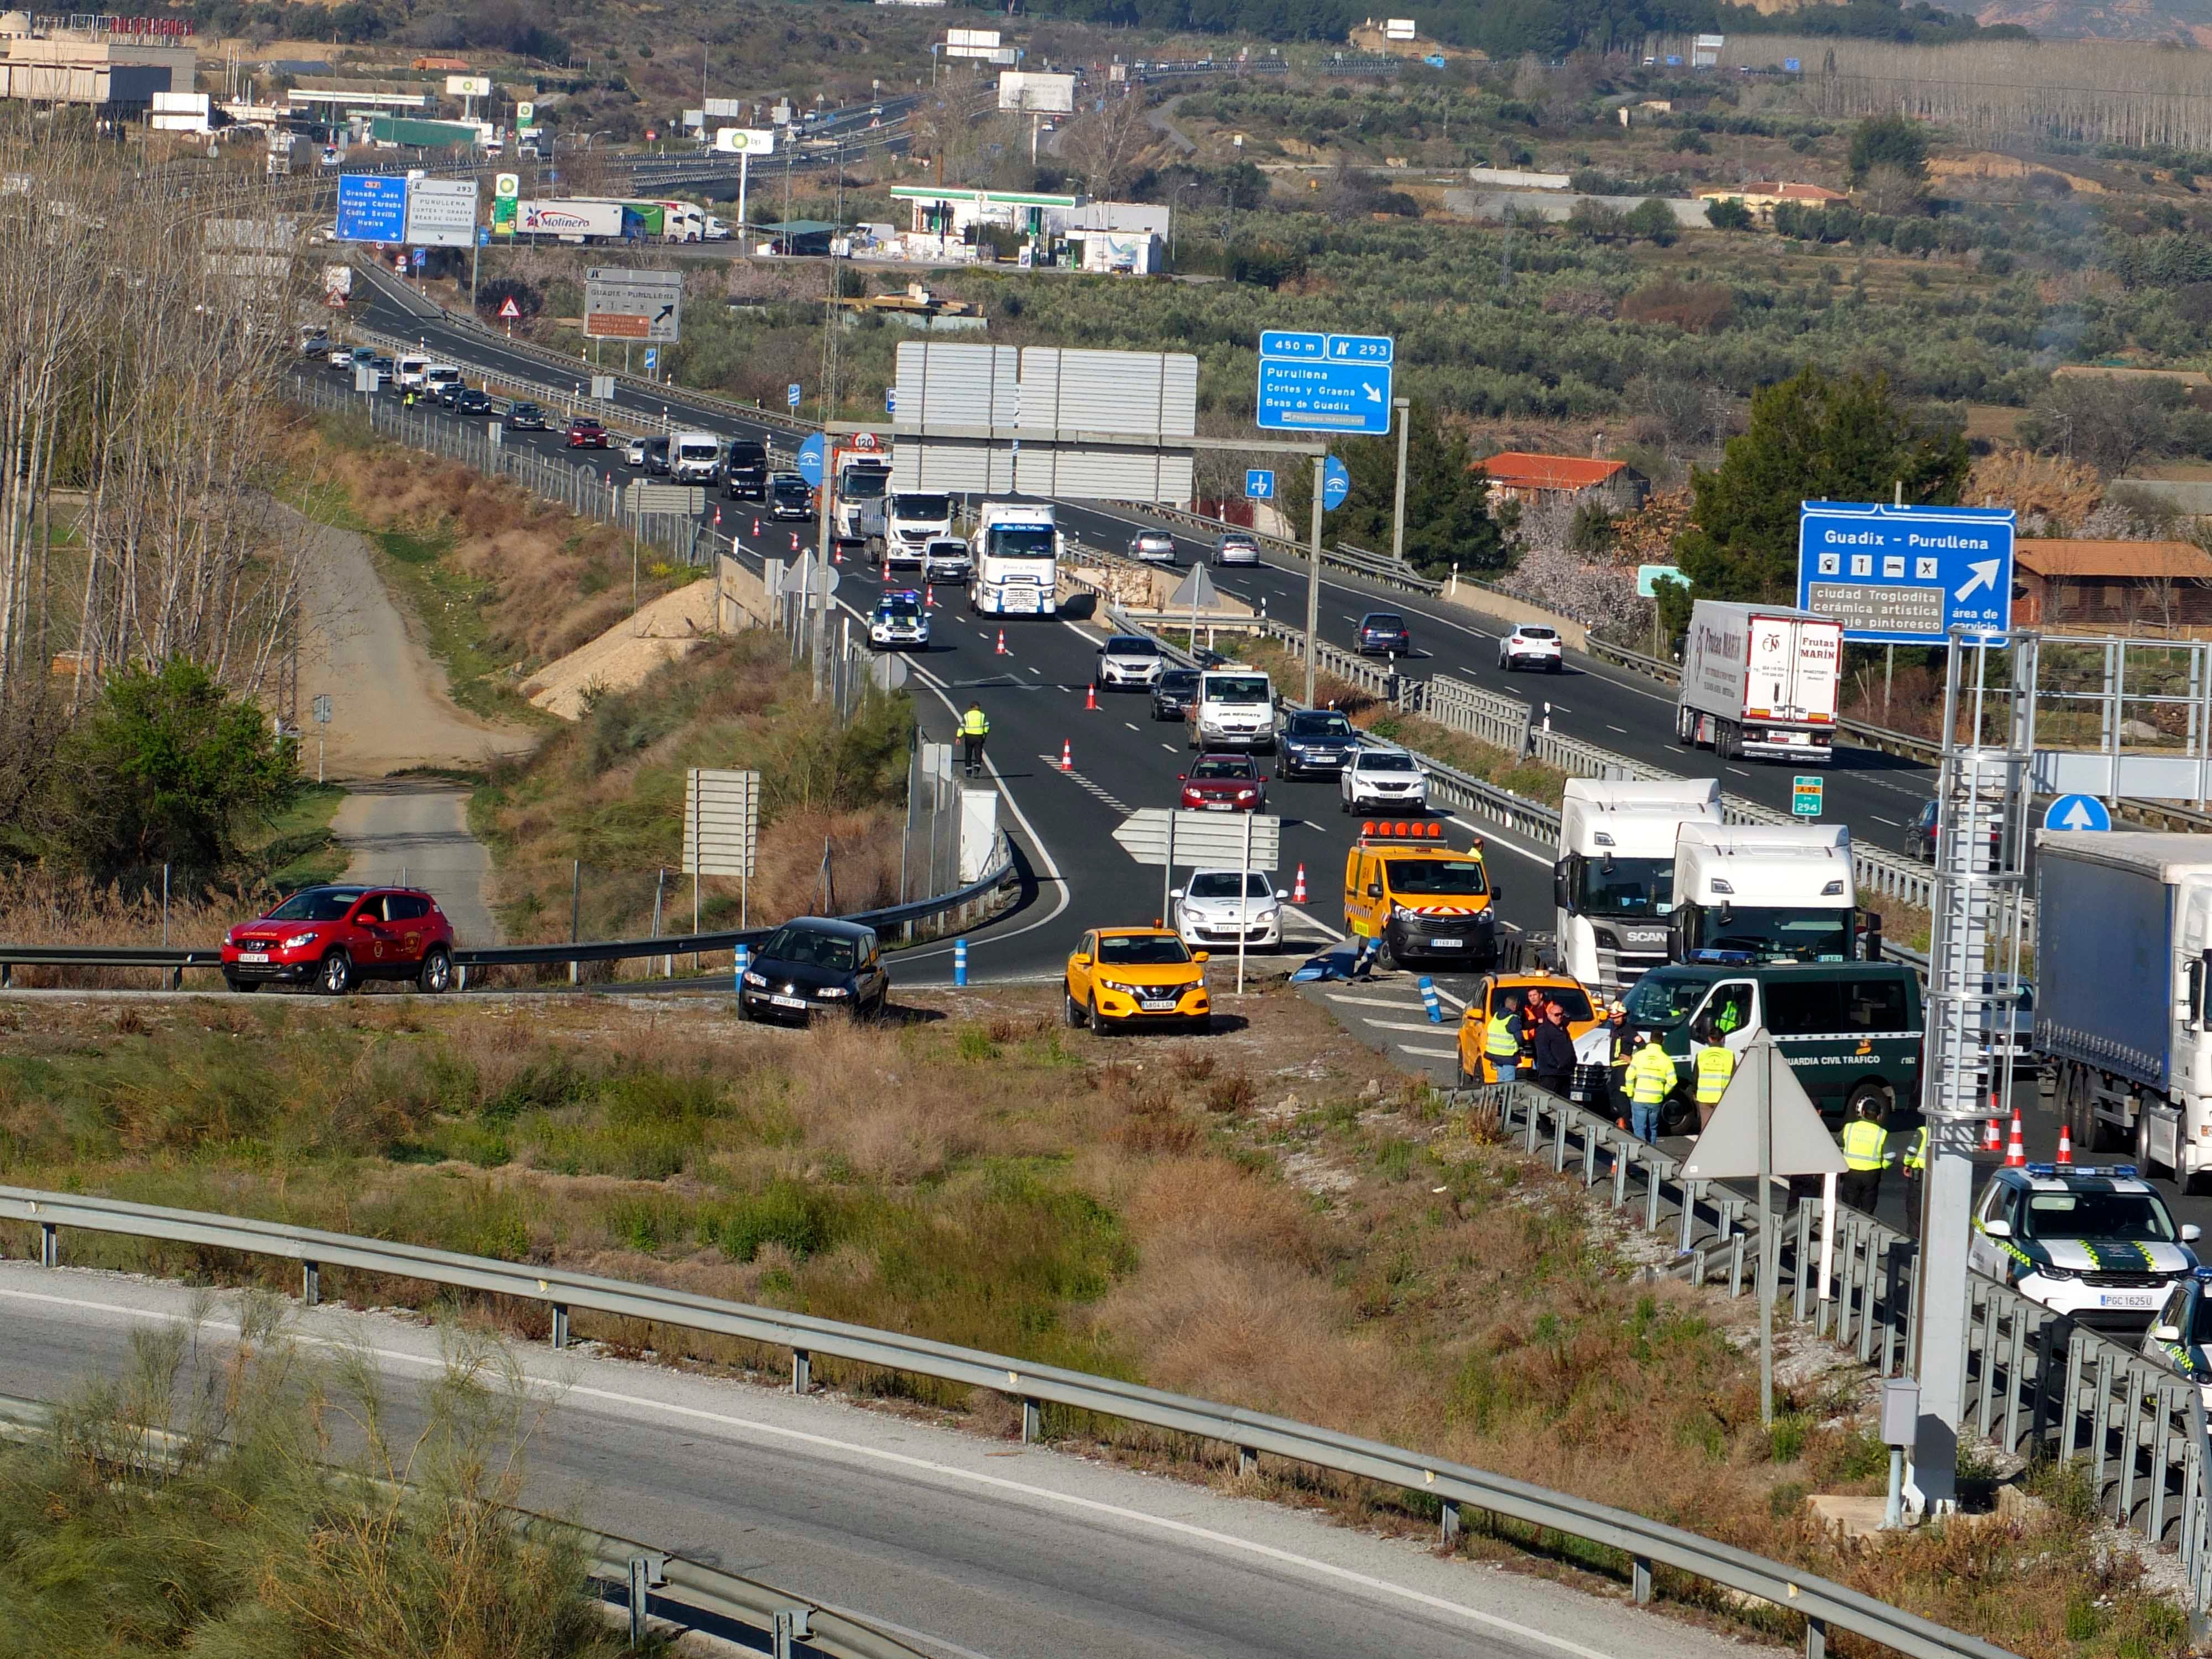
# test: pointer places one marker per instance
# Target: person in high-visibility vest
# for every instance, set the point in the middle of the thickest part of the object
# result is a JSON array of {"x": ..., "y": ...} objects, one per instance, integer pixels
[
  {"x": 1501, "y": 1037},
  {"x": 1866, "y": 1155},
  {"x": 975, "y": 726},
  {"x": 1714, "y": 1065},
  {"x": 1651, "y": 1080},
  {"x": 1914, "y": 1166}
]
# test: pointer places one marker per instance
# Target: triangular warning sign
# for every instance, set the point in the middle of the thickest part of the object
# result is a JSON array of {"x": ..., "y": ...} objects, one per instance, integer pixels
[
  {"x": 1194, "y": 592},
  {"x": 1799, "y": 1143},
  {"x": 510, "y": 310}
]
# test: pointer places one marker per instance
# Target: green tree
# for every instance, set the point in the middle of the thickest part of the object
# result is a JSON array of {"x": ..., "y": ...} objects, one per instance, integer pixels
[
  {"x": 1726, "y": 213},
  {"x": 1448, "y": 518},
  {"x": 1893, "y": 140},
  {"x": 165, "y": 770},
  {"x": 1652, "y": 220},
  {"x": 1813, "y": 437}
]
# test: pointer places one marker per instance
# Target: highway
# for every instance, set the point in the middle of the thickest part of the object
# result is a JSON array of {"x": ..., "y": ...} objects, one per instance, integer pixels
[{"x": 965, "y": 1546}]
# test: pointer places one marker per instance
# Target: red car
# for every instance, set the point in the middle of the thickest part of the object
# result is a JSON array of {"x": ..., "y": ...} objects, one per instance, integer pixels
[
  {"x": 1224, "y": 783},
  {"x": 585, "y": 433},
  {"x": 335, "y": 936}
]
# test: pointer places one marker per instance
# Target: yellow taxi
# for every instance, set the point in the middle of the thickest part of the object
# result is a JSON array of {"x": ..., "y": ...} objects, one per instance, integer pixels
[
  {"x": 1126, "y": 977},
  {"x": 1475, "y": 1067}
]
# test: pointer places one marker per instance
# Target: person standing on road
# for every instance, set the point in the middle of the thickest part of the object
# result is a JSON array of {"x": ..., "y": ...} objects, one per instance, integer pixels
[
  {"x": 1501, "y": 1038},
  {"x": 1866, "y": 1155},
  {"x": 1651, "y": 1080},
  {"x": 1623, "y": 1051},
  {"x": 975, "y": 726},
  {"x": 1554, "y": 1051},
  {"x": 1914, "y": 1167},
  {"x": 1715, "y": 1066}
]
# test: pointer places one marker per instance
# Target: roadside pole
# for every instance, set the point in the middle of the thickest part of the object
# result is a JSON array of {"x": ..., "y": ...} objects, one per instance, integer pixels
[
  {"x": 1403, "y": 408},
  {"x": 1244, "y": 900},
  {"x": 1313, "y": 578},
  {"x": 821, "y": 601}
]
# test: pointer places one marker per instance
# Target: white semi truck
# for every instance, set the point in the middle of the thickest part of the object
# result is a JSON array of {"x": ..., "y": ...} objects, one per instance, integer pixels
[
  {"x": 1016, "y": 556},
  {"x": 2124, "y": 929},
  {"x": 1764, "y": 893},
  {"x": 1614, "y": 884},
  {"x": 913, "y": 519},
  {"x": 1759, "y": 681}
]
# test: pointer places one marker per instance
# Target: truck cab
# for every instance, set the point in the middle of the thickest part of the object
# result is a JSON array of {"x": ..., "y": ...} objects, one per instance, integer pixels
[
  {"x": 1422, "y": 898},
  {"x": 1763, "y": 893},
  {"x": 1614, "y": 884},
  {"x": 912, "y": 519},
  {"x": 1014, "y": 559},
  {"x": 863, "y": 480}
]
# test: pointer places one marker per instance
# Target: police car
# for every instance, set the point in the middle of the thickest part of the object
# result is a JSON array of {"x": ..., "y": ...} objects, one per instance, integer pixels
[
  {"x": 2180, "y": 1335},
  {"x": 898, "y": 620},
  {"x": 2096, "y": 1244}
]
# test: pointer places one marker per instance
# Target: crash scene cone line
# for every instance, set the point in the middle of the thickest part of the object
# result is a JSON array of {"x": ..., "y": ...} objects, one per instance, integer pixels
[{"x": 1066, "y": 756}]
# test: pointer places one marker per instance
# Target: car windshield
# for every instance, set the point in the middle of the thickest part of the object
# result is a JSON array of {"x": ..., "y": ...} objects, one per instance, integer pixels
[
  {"x": 900, "y": 607},
  {"x": 1141, "y": 951},
  {"x": 863, "y": 483},
  {"x": 2200, "y": 1333},
  {"x": 1437, "y": 877},
  {"x": 742, "y": 453},
  {"x": 1238, "y": 541},
  {"x": 2135, "y": 1217},
  {"x": 318, "y": 904},
  {"x": 1237, "y": 688},
  {"x": 526, "y": 409},
  {"x": 803, "y": 947},
  {"x": 792, "y": 489},
  {"x": 1386, "y": 762},
  {"x": 1624, "y": 887},
  {"x": 699, "y": 452},
  {"x": 1664, "y": 999},
  {"x": 1222, "y": 884},
  {"x": 1131, "y": 644},
  {"x": 1573, "y": 1001},
  {"x": 1780, "y": 935},
  {"x": 1022, "y": 541},
  {"x": 1318, "y": 725},
  {"x": 1184, "y": 680},
  {"x": 1222, "y": 766},
  {"x": 909, "y": 506}
]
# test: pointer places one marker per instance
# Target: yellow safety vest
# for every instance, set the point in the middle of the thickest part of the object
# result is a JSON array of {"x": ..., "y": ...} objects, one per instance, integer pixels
[
  {"x": 1651, "y": 1075},
  {"x": 1916, "y": 1151},
  {"x": 1716, "y": 1066},
  {"x": 973, "y": 724},
  {"x": 1866, "y": 1145},
  {"x": 1501, "y": 1041}
]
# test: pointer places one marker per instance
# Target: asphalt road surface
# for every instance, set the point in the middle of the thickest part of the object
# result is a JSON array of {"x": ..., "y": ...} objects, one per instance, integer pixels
[{"x": 966, "y": 1547}]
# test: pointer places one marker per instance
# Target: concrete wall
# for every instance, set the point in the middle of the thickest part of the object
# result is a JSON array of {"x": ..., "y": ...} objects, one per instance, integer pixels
[
  {"x": 1500, "y": 607},
  {"x": 741, "y": 597}
]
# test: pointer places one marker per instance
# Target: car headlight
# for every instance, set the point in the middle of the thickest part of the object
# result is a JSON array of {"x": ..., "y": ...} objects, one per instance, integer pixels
[
  {"x": 1115, "y": 985},
  {"x": 831, "y": 993},
  {"x": 2045, "y": 1270},
  {"x": 1272, "y": 912},
  {"x": 298, "y": 940},
  {"x": 752, "y": 978}
]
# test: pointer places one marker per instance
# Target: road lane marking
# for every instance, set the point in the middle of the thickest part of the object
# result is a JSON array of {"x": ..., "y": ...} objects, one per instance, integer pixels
[
  {"x": 1377, "y": 1002},
  {"x": 1132, "y": 725},
  {"x": 1892, "y": 822},
  {"x": 1623, "y": 730},
  {"x": 1738, "y": 770},
  {"x": 1403, "y": 1024},
  {"x": 1431, "y": 1053}
]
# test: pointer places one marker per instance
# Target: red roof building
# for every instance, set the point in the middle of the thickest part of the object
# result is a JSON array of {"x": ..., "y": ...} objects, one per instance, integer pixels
[{"x": 1517, "y": 475}]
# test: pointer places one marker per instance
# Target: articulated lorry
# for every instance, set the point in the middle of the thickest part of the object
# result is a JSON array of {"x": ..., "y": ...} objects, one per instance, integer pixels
[
  {"x": 1760, "y": 681},
  {"x": 1759, "y": 893},
  {"x": 1614, "y": 884},
  {"x": 2123, "y": 931}
]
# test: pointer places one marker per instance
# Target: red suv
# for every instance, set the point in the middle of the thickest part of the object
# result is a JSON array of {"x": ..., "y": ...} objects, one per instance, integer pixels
[
  {"x": 585, "y": 433},
  {"x": 335, "y": 936}
]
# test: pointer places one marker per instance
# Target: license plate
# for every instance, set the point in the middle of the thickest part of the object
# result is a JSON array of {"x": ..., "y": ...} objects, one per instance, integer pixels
[
  {"x": 2128, "y": 1299},
  {"x": 254, "y": 956},
  {"x": 1219, "y": 806},
  {"x": 1153, "y": 1006},
  {"x": 782, "y": 1001},
  {"x": 1448, "y": 943}
]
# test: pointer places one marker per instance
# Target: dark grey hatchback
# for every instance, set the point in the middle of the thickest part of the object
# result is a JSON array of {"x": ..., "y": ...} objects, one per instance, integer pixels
[{"x": 815, "y": 964}]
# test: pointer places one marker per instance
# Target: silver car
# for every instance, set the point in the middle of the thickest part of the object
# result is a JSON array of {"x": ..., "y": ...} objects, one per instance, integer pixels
[
  {"x": 1237, "y": 547},
  {"x": 1152, "y": 546}
]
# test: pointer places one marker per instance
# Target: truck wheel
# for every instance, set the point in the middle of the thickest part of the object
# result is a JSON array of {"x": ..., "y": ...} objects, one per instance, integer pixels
[{"x": 1685, "y": 728}]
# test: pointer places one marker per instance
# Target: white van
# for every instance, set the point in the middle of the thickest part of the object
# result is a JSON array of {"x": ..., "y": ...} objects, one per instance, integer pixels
[
  {"x": 407, "y": 371},
  {"x": 694, "y": 458},
  {"x": 1234, "y": 708},
  {"x": 438, "y": 377}
]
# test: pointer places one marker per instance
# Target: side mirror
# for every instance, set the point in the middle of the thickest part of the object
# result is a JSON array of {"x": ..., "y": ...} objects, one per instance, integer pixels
[
  {"x": 1175, "y": 892},
  {"x": 1996, "y": 1229},
  {"x": 1280, "y": 895},
  {"x": 1673, "y": 941},
  {"x": 2190, "y": 1232},
  {"x": 1375, "y": 889},
  {"x": 1559, "y": 885},
  {"x": 2165, "y": 1333},
  {"x": 1201, "y": 956},
  {"x": 1182, "y": 777},
  {"x": 1082, "y": 959}
]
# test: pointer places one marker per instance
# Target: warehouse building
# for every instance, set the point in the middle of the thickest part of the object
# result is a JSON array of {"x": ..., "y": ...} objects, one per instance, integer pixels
[{"x": 116, "y": 76}]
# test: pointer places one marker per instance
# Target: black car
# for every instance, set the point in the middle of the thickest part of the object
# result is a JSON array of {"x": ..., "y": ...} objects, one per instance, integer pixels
[
  {"x": 526, "y": 417},
  {"x": 1172, "y": 692},
  {"x": 470, "y": 401},
  {"x": 745, "y": 472},
  {"x": 449, "y": 393},
  {"x": 1920, "y": 835},
  {"x": 1315, "y": 741},
  {"x": 815, "y": 964},
  {"x": 790, "y": 496},
  {"x": 1384, "y": 632}
]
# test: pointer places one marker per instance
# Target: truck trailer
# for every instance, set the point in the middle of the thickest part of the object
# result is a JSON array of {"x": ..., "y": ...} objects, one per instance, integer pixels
[
  {"x": 2123, "y": 931},
  {"x": 1759, "y": 681},
  {"x": 1614, "y": 885}
]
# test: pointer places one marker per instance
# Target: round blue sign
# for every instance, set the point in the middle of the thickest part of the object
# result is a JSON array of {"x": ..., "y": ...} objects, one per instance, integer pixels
[
  {"x": 2076, "y": 812},
  {"x": 811, "y": 456},
  {"x": 1335, "y": 484}
]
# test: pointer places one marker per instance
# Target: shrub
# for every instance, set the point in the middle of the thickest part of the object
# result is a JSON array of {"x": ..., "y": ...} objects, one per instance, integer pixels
[
  {"x": 1728, "y": 214},
  {"x": 1693, "y": 307}
]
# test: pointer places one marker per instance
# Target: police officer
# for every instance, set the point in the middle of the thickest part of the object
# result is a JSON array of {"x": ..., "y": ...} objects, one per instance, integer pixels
[
  {"x": 1501, "y": 1037},
  {"x": 1715, "y": 1066},
  {"x": 1651, "y": 1080},
  {"x": 1866, "y": 1155},
  {"x": 1914, "y": 1164},
  {"x": 975, "y": 726},
  {"x": 1623, "y": 1050}
]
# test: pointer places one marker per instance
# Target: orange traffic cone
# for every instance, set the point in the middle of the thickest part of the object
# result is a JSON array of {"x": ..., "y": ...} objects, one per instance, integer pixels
[
  {"x": 1001, "y": 651},
  {"x": 1298, "y": 887},
  {"x": 2065, "y": 1143},
  {"x": 1090, "y": 699},
  {"x": 756, "y": 526},
  {"x": 794, "y": 541},
  {"x": 2015, "y": 1148},
  {"x": 718, "y": 518},
  {"x": 929, "y": 599},
  {"x": 836, "y": 551},
  {"x": 1066, "y": 756}
]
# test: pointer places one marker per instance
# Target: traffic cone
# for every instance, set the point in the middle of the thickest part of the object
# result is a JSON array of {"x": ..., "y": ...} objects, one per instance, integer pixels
[
  {"x": 718, "y": 518},
  {"x": 1090, "y": 699},
  {"x": 1990, "y": 1140},
  {"x": 2065, "y": 1143},
  {"x": 1002, "y": 650},
  {"x": 836, "y": 551},
  {"x": 1298, "y": 887},
  {"x": 794, "y": 541},
  {"x": 1066, "y": 756},
  {"x": 756, "y": 526},
  {"x": 2015, "y": 1148},
  {"x": 928, "y": 598}
]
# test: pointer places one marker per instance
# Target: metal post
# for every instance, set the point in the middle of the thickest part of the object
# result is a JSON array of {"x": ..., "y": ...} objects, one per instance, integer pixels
[
  {"x": 802, "y": 1371},
  {"x": 1403, "y": 406},
  {"x": 821, "y": 601},
  {"x": 1032, "y": 1422},
  {"x": 575, "y": 914},
  {"x": 560, "y": 1324},
  {"x": 1313, "y": 578},
  {"x": 310, "y": 1283}
]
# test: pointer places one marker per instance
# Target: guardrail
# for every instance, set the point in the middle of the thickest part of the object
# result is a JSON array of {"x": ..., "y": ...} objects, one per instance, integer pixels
[
  {"x": 644, "y": 1581},
  {"x": 1647, "y": 1544},
  {"x": 1374, "y": 565}
]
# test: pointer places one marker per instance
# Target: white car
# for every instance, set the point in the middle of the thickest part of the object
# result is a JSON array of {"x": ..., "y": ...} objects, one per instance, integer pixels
[
  {"x": 1207, "y": 911},
  {"x": 1531, "y": 647},
  {"x": 898, "y": 622},
  {"x": 1390, "y": 779}
]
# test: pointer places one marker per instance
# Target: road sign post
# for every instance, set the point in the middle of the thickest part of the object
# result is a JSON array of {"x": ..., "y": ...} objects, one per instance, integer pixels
[
  {"x": 1324, "y": 382},
  {"x": 1906, "y": 576},
  {"x": 1259, "y": 484},
  {"x": 322, "y": 731},
  {"x": 624, "y": 304},
  {"x": 721, "y": 831},
  {"x": 1313, "y": 574},
  {"x": 1805, "y": 795}
]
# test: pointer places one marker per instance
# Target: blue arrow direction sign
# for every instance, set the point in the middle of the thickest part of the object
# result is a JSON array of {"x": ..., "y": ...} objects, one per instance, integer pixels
[
  {"x": 2076, "y": 812},
  {"x": 810, "y": 455},
  {"x": 1259, "y": 484},
  {"x": 1336, "y": 483},
  {"x": 1324, "y": 382},
  {"x": 1906, "y": 576},
  {"x": 372, "y": 208}
]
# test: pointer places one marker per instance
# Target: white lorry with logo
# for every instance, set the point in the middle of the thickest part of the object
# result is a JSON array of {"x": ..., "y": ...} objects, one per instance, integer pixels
[
  {"x": 1233, "y": 708},
  {"x": 1016, "y": 556},
  {"x": 1755, "y": 893},
  {"x": 1759, "y": 681},
  {"x": 1614, "y": 884}
]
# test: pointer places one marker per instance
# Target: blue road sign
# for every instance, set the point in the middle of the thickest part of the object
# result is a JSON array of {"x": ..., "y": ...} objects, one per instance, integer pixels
[
  {"x": 890, "y": 400},
  {"x": 2076, "y": 812},
  {"x": 791, "y": 394},
  {"x": 1434, "y": 60},
  {"x": 1906, "y": 576},
  {"x": 372, "y": 208},
  {"x": 652, "y": 358},
  {"x": 421, "y": 258},
  {"x": 811, "y": 455},
  {"x": 1673, "y": 60},
  {"x": 1789, "y": 66},
  {"x": 1259, "y": 484},
  {"x": 1324, "y": 382},
  {"x": 1336, "y": 483}
]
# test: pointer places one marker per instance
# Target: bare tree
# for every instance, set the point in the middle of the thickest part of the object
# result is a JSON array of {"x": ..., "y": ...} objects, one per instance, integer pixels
[{"x": 1107, "y": 147}]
